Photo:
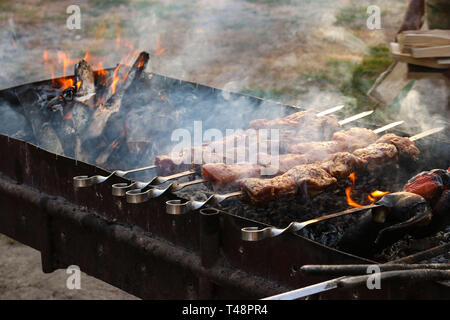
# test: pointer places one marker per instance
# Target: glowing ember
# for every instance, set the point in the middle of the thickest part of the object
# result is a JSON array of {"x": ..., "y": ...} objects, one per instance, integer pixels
[
  {"x": 115, "y": 144},
  {"x": 100, "y": 70},
  {"x": 65, "y": 83},
  {"x": 372, "y": 197},
  {"x": 68, "y": 116}
]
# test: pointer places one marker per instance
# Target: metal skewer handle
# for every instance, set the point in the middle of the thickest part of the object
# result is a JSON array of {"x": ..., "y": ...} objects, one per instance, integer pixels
[
  {"x": 255, "y": 234},
  {"x": 177, "y": 207},
  {"x": 139, "y": 196},
  {"x": 86, "y": 181},
  {"x": 120, "y": 189}
]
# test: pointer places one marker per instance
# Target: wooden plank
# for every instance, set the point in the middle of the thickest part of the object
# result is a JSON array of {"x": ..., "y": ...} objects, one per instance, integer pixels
[
  {"x": 404, "y": 57},
  {"x": 430, "y": 52},
  {"x": 422, "y": 39},
  {"x": 388, "y": 85}
]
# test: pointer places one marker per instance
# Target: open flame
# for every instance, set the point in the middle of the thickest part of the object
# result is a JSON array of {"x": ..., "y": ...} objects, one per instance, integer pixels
[
  {"x": 59, "y": 62},
  {"x": 159, "y": 49},
  {"x": 373, "y": 196},
  {"x": 62, "y": 60}
]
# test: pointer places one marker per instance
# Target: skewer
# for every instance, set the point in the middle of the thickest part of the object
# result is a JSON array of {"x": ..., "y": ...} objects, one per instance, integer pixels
[
  {"x": 255, "y": 234},
  {"x": 360, "y": 269},
  {"x": 177, "y": 208},
  {"x": 330, "y": 110},
  {"x": 388, "y": 126},
  {"x": 85, "y": 181},
  {"x": 355, "y": 117},
  {"x": 139, "y": 196},
  {"x": 362, "y": 115},
  {"x": 352, "y": 281},
  {"x": 426, "y": 133},
  {"x": 120, "y": 189}
]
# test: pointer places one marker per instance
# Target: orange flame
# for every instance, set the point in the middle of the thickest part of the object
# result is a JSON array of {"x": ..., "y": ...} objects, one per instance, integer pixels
[
  {"x": 100, "y": 70},
  {"x": 372, "y": 197},
  {"x": 117, "y": 37},
  {"x": 159, "y": 49},
  {"x": 87, "y": 56},
  {"x": 115, "y": 79}
]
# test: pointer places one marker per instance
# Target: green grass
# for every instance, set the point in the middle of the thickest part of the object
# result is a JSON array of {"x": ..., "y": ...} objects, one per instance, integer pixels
[
  {"x": 353, "y": 16},
  {"x": 104, "y": 4},
  {"x": 351, "y": 78},
  {"x": 273, "y": 94},
  {"x": 364, "y": 74}
]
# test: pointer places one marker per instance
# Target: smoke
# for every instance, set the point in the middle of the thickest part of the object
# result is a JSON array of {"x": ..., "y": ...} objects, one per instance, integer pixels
[{"x": 426, "y": 105}]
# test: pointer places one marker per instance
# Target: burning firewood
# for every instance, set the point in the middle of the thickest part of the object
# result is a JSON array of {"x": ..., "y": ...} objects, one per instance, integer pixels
[
  {"x": 399, "y": 213},
  {"x": 112, "y": 105},
  {"x": 43, "y": 131},
  {"x": 85, "y": 76},
  {"x": 76, "y": 113}
]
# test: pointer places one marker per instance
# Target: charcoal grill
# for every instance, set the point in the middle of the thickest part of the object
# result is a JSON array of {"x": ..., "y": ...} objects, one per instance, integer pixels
[{"x": 151, "y": 254}]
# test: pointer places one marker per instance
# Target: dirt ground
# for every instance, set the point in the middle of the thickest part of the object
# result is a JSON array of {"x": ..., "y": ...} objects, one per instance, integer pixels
[
  {"x": 276, "y": 49},
  {"x": 21, "y": 277}
]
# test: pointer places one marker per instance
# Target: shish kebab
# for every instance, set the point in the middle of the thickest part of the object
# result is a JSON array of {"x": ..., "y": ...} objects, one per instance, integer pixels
[
  {"x": 220, "y": 174},
  {"x": 139, "y": 195},
  {"x": 302, "y": 126},
  {"x": 291, "y": 122},
  {"x": 310, "y": 179},
  {"x": 174, "y": 166}
]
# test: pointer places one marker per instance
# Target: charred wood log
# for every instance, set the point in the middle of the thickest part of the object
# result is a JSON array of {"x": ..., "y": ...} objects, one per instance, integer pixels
[
  {"x": 76, "y": 114},
  {"x": 44, "y": 133},
  {"x": 96, "y": 139},
  {"x": 399, "y": 213},
  {"x": 85, "y": 76},
  {"x": 146, "y": 124},
  {"x": 112, "y": 105}
]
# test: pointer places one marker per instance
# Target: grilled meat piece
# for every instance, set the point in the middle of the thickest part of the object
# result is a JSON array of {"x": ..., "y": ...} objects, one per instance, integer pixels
[
  {"x": 292, "y": 121},
  {"x": 262, "y": 191},
  {"x": 185, "y": 159},
  {"x": 403, "y": 144},
  {"x": 377, "y": 154},
  {"x": 307, "y": 179},
  {"x": 354, "y": 138},
  {"x": 311, "y": 178},
  {"x": 317, "y": 150},
  {"x": 304, "y": 123},
  {"x": 221, "y": 174},
  {"x": 341, "y": 164},
  {"x": 288, "y": 161}
]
